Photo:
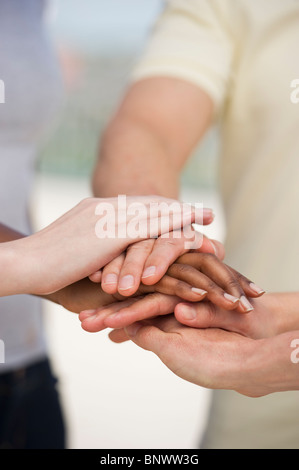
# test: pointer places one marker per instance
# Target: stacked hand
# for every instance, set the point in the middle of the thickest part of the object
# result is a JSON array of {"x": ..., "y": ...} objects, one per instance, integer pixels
[
  {"x": 203, "y": 319},
  {"x": 193, "y": 277},
  {"x": 79, "y": 244},
  {"x": 197, "y": 318}
]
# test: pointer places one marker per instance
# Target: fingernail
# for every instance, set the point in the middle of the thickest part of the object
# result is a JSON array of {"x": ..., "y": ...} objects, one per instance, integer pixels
[
  {"x": 132, "y": 330},
  {"x": 150, "y": 271},
  {"x": 256, "y": 288},
  {"x": 208, "y": 213},
  {"x": 214, "y": 248},
  {"x": 188, "y": 312},
  {"x": 200, "y": 292},
  {"x": 91, "y": 317},
  {"x": 231, "y": 298},
  {"x": 110, "y": 279},
  {"x": 126, "y": 282},
  {"x": 245, "y": 304},
  {"x": 88, "y": 312}
]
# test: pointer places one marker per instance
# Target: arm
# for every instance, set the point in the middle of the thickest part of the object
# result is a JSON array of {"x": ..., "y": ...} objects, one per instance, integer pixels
[
  {"x": 143, "y": 151},
  {"x": 8, "y": 234},
  {"x": 83, "y": 294},
  {"x": 151, "y": 137},
  {"x": 29, "y": 265}
]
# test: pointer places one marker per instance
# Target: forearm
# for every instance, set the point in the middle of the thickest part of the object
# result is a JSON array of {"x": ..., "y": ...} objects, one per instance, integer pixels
[
  {"x": 157, "y": 126},
  {"x": 133, "y": 160},
  {"x": 11, "y": 277},
  {"x": 9, "y": 273},
  {"x": 9, "y": 263}
]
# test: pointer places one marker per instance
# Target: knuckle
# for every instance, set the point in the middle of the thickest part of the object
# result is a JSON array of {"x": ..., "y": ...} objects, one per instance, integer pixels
[
  {"x": 130, "y": 265},
  {"x": 180, "y": 269},
  {"x": 179, "y": 286},
  {"x": 232, "y": 283},
  {"x": 211, "y": 286},
  {"x": 154, "y": 303},
  {"x": 209, "y": 258},
  {"x": 113, "y": 266},
  {"x": 140, "y": 247},
  {"x": 211, "y": 313},
  {"x": 170, "y": 243}
]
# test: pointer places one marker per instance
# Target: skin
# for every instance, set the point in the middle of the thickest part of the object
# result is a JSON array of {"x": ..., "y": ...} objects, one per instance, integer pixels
[
  {"x": 218, "y": 359},
  {"x": 273, "y": 314},
  {"x": 29, "y": 264},
  {"x": 144, "y": 149},
  {"x": 147, "y": 143},
  {"x": 148, "y": 261},
  {"x": 199, "y": 270},
  {"x": 85, "y": 294},
  {"x": 240, "y": 361}
]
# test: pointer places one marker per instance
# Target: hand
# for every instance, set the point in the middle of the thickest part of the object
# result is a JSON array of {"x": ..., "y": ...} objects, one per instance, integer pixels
[
  {"x": 218, "y": 359},
  {"x": 71, "y": 248},
  {"x": 81, "y": 295},
  {"x": 185, "y": 279},
  {"x": 273, "y": 314},
  {"x": 147, "y": 261},
  {"x": 123, "y": 313},
  {"x": 263, "y": 322}
]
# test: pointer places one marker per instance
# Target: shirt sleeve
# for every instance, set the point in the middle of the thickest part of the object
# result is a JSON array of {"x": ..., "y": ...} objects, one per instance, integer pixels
[{"x": 191, "y": 41}]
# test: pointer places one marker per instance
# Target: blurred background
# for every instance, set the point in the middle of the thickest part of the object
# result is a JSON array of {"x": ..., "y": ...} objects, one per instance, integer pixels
[{"x": 114, "y": 396}]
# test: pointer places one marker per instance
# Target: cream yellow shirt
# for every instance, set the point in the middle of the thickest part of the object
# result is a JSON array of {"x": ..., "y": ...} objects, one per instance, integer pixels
[{"x": 245, "y": 55}]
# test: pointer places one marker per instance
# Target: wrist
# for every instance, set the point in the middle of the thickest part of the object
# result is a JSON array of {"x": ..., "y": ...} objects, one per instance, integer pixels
[
  {"x": 55, "y": 297},
  {"x": 284, "y": 307},
  {"x": 269, "y": 368},
  {"x": 132, "y": 151},
  {"x": 11, "y": 278}
]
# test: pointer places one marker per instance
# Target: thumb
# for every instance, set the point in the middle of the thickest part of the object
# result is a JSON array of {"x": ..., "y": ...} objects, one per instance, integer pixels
[
  {"x": 147, "y": 337},
  {"x": 201, "y": 315},
  {"x": 220, "y": 251},
  {"x": 211, "y": 246}
]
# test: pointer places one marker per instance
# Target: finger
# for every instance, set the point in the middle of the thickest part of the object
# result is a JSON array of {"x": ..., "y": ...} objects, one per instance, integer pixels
[
  {"x": 148, "y": 337},
  {"x": 133, "y": 265},
  {"x": 208, "y": 216},
  {"x": 110, "y": 274},
  {"x": 207, "y": 315},
  {"x": 118, "y": 336},
  {"x": 174, "y": 216},
  {"x": 199, "y": 281},
  {"x": 94, "y": 320},
  {"x": 226, "y": 278},
  {"x": 165, "y": 251},
  {"x": 249, "y": 287},
  {"x": 158, "y": 335},
  {"x": 157, "y": 218},
  {"x": 172, "y": 286},
  {"x": 221, "y": 275},
  {"x": 96, "y": 277},
  {"x": 211, "y": 246},
  {"x": 149, "y": 306},
  {"x": 219, "y": 249}
]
